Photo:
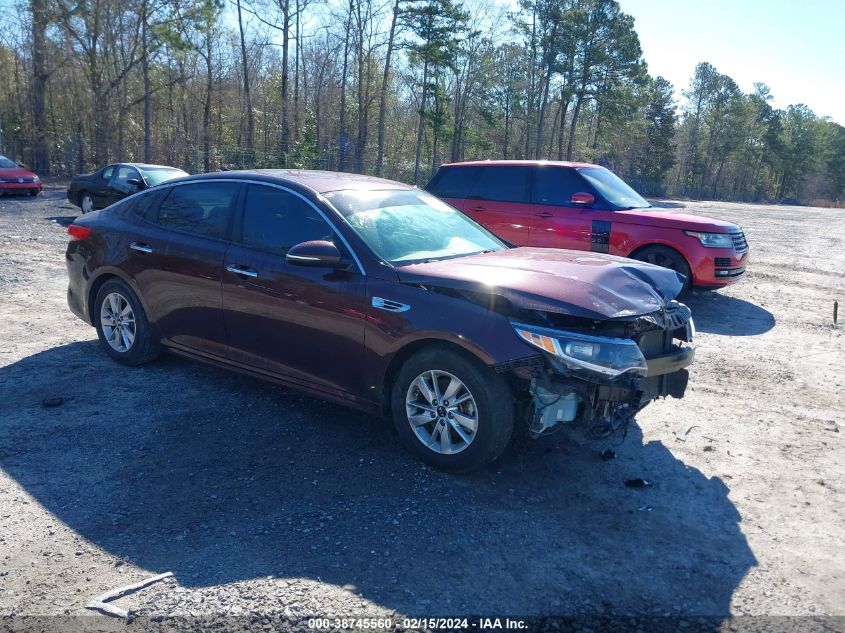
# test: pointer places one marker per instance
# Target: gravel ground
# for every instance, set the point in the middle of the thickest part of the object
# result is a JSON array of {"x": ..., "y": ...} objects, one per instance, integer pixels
[{"x": 267, "y": 503}]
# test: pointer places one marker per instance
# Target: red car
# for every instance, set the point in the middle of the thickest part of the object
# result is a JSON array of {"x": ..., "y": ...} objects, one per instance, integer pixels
[
  {"x": 15, "y": 178},
  {"x": 589, "y": 208}
]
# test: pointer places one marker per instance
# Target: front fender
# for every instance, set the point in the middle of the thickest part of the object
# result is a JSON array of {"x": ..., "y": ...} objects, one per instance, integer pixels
[{"x": 431, "y": 317}]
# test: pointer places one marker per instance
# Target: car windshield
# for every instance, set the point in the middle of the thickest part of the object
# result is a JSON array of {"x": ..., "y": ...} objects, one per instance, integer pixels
[
  {"x": 157, "y": 175},
  {"x": 615, "y": 190},
  {"x": 6, "y": 163},
  {"x": 408, "y": 226}
]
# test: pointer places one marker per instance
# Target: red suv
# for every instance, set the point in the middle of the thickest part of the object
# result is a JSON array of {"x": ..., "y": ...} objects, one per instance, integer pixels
[{"x": 589, "y": 208}]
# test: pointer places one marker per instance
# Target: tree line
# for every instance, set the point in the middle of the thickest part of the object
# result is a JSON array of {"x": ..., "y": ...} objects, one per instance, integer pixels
[{"x": 392, "y": 88}]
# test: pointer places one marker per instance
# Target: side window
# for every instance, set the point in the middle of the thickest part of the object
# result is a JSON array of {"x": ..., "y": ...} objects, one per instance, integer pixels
[
  {"x": 454, "y": 182},
  {"x": 146, "y": 206},
  {"x": 121, "y": 175},
  {"x": 204, "y": 208},
  {"x": 502, "y": 184},
  {"x": 275, "y": 220},
  {"x": 107, "y": 172},
  {"x": 555, "y": 185}
]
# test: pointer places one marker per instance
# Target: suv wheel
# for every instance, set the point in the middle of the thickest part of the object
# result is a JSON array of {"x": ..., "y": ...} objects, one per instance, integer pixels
[
  {"x": 122, "y": 327},
  {"x": 667, "y": 258},
  {"x": 452, "y": 412}
]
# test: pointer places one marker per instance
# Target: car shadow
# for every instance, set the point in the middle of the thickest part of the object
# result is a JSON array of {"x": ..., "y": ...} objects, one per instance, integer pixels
[
  {"x": 219, "y": 478},
  {"x": 717, "y": 313}
]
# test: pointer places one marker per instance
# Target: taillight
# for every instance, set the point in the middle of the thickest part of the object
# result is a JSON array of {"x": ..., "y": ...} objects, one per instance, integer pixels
[{"x": 77, "y": 232}]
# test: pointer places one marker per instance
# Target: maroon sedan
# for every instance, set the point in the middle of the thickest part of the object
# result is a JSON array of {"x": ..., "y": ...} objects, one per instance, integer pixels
[{"x": 378, "y": 295}]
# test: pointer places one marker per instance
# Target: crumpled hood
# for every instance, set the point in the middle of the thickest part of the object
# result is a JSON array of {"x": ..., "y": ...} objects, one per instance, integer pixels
[{"x": 576, "y": 283}]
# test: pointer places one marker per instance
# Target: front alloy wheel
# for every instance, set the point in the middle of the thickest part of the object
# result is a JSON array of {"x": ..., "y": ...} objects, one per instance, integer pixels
[
  {"x": 451, "y": 410},
  {"x": 442, "y": 412}
]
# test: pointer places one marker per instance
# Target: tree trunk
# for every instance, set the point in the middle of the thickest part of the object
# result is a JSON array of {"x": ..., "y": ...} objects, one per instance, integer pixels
[
  {"x": 538, "y": 149},
  {"x": 250, "y": 117},
  {"x": 296, "y": 48},
  {"x": 530, "y": 109},
  {"x": 420, "y": 126},
  {"x": 39, "y": 87},
  {"x": 382, "y": 106},
  {"x": 363, "y": 82},
  {"x": 564, "y": 99},
  {"x": 145, "y": 71},
  {"x": 341, "y": 141},
  {"x": 571, "y": 145},
  {"x": 284, "y": 140},
  {"x": 206, "y": 110}
]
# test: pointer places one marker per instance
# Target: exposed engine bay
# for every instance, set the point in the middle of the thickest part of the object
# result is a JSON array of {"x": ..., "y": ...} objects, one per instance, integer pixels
[{"x": 600, "y": 400}]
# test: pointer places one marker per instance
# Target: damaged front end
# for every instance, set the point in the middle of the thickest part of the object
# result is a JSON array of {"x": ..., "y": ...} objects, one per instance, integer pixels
[{"x": 594, "y": 376}]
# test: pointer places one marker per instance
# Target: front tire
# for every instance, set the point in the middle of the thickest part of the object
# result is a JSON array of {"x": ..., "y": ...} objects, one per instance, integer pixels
[
  {"x": 451, "y": 411},
  {"x": 667, "y": 258},
  {"x": 86, "y": 202},
  {"x": 122, "y": 326}
]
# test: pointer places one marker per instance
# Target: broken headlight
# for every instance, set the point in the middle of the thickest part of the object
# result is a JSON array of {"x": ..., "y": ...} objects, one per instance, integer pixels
[{"x": 608, "y": 356}]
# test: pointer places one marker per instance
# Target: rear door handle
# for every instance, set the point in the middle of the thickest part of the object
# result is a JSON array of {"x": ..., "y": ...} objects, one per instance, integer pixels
[
  {"x": 141, "y": 247},
  {"x": 544, "y": 214},
  {"x": 239, "y": 270},
  {"x": 477, "y": 208}
]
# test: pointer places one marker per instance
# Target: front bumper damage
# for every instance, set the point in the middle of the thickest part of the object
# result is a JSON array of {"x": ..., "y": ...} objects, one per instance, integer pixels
[{"x": 598, "y": 405}]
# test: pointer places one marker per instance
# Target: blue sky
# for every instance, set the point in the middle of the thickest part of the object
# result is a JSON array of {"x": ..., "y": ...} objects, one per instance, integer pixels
[{"x": 797, "y": 48}]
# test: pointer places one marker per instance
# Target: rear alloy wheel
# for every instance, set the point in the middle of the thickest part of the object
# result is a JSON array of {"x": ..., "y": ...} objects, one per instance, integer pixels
[
  {"x": 452, "y": 411},
  {"x": 86, "y": 202},
  {"x": 667, "y": 258},
  {"x": 122, "y": 327}
]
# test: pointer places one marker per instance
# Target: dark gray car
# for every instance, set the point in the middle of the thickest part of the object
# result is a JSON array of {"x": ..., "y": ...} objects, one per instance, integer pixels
[{"x": 114, "y": 182}]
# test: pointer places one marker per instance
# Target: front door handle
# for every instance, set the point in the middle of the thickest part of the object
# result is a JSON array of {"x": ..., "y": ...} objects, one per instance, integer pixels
[
  {"x": 239, "y": 270},
  {"x": 141, "y": 247},
  {"x": 477, "y": 208},
  {"x": 544, "y": 214}
]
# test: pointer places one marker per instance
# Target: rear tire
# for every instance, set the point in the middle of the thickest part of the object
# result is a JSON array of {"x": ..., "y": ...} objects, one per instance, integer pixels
[
  {"x": 667, "y": 258},
  {"x": 122, "y": 326},
  {"x": 86, "y": 202},
  {"x": 442, "y": 434}
]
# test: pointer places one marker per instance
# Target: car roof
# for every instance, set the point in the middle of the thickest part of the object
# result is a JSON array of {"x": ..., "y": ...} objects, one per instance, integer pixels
[
  {"x": 150, "y": 166},
  {"x": 521, "y": 163},
  {"x": 316, "y": 180}
]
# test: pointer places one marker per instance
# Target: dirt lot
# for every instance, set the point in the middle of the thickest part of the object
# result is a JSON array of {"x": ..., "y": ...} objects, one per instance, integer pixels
[{"x": 262, "y": 501}]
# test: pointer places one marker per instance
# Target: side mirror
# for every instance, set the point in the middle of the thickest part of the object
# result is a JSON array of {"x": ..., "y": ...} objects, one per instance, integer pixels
[
  {"x": 314, "y": 253},
  {"x": 134, "y": 182},
  {"x": 582, "y": 199}
]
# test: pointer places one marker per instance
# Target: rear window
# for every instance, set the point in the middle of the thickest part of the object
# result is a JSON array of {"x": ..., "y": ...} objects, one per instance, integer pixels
[
  {"x": 453, "y": 182},
  {"x": 201, "y": 208},
  {"x": 157, "y": 175},
  {"x": 145, "y": 205},
  {"x": 502, "y": 184}
]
